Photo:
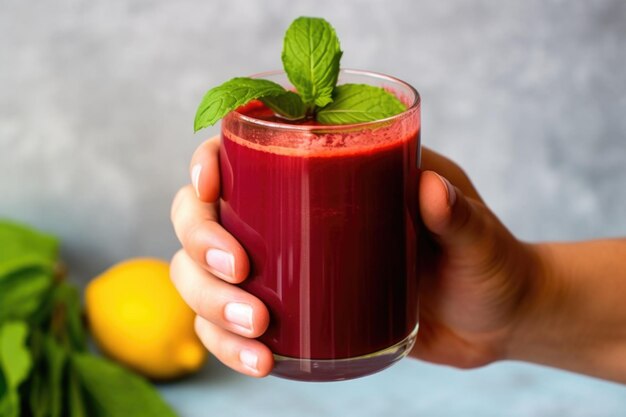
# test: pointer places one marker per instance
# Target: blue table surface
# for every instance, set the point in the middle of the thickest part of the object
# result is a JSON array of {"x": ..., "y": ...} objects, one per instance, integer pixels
[{"x": 410, "y": 388}]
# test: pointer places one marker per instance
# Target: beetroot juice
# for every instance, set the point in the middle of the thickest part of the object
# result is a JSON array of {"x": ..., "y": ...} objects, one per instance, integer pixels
[{"x": 328, "y": 217}]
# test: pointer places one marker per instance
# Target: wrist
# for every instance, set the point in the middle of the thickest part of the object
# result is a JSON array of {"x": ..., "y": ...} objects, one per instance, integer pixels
[
  {"x": 573, "y": 316},
  {"x": 539, "y": 307}
]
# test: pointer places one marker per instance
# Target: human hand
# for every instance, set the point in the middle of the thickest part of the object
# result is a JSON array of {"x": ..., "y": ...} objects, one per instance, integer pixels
[
  {"x": 475, "y": 275},
  {"x": 473, "y": 279}
]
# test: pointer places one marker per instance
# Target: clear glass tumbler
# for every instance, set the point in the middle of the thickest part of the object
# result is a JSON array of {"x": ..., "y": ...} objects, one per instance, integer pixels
[{"x": 329, "y": 218}]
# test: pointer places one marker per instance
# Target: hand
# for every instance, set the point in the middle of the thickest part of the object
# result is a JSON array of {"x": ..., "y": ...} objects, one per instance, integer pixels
[
  {"x": 473, "y": 282},
  {"x": 476, "y": 278}
]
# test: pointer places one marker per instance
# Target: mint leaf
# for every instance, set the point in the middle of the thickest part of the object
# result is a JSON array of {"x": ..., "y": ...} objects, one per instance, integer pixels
[
  {"x": 221, "y": 100},
  {"x": 68, "y": 298},
  {"x": 15, "y": 360},
  {"x": 46, "y": 385},
  {"x": 311, "y": 55},
  {"x": 10, "y": 405},
  {"x": 56, "y": 358},
  {"x": 113, "y": 391},
  {"x": 17, "y": 240},
  {"x": 27, "y": 264},
  {"x": 3, "y": 386},
  {"x": 289, "y": 105},
  {"x": 37, "y": 386},
  {"x": 22, "y": 292},
  {"x": 76, "y": 402},
  {"x": 15, "y": 365},
  {"x": 357, "y": 103}
]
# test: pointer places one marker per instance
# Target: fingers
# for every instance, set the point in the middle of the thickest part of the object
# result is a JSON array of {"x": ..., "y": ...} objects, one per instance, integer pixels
[
  {"x": 222, "y": 304},
  {"x": 432, "y": 161},
  {"x": 204, "y": 170},
  {"x": 247, "y": 356},
  {"x": 205, "y": 240},
  {"x": 454, "y": 219},
  {"x": 228, "y": 317}
]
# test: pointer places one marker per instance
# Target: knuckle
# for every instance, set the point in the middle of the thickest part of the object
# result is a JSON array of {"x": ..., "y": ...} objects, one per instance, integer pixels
[
  {"x": 230, "y": 348},
  {"x": 213, "y": 142},
  {"x": 207, "y": 148},
  {"x": 206, "y": 304},
  {"x": 199, "y": 328},
  {"x": 193, "y": 234},
  {"x": 177, "y": 202},
  {"x": 175, "y": 261},
  {"x": 205, "y": 334},
  {"x": 175, "y": 264}
]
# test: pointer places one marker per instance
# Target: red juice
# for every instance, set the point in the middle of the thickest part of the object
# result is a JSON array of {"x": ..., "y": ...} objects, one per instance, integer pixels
[{"x": 329, "y": 223}]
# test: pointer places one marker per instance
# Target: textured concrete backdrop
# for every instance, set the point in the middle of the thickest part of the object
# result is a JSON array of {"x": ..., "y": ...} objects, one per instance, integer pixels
[{"x": 97, "y": 100}]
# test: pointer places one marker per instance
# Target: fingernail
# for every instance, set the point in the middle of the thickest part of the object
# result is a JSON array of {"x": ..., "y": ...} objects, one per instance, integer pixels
[
  {"x": 221, "y": 262},
  {"x": 239, "y": 314},
  {"x": 249, "y": 359},
  {"x": 195, "y": 177},
  {"x": 451, "y": 190}
]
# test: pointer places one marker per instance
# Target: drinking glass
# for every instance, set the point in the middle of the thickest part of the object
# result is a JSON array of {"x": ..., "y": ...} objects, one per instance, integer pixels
[{"x": 329, "y": 218}]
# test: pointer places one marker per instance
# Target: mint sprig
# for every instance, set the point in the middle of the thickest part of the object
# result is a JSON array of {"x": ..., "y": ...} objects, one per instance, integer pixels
[
  {"x": 311, "y": 56},
  {"x": 45, "y": 367}
]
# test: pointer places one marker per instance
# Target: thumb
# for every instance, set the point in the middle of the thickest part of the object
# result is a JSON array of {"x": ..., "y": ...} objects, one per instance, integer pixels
[{"x": 452, "y": 218}]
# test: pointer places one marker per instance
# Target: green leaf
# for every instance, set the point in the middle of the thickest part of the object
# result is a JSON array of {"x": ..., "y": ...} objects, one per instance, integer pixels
[
  {"x": 15, "y": 360},
  {"x": 17, "y": 241},
  {"x": 28, "y": 260},
  {"x": 56, "y": 358},
  {"x": 357, "y": 103},
  {"x": 3, "y": 385},
  {"x": 289, "y": 105},
  {"x": 46, "y": 385},
  {"x": 22, "y": 291},
  {"x": 15, "y": 365},
  {"x": 27, "y": 266},
  {"x": 69, "y": 296},
  {"x": 10, "y": 405},
  {"x": 38, "y": 394},
  {"x": 219, "y": 101},
  {"x": 311, "y": 55},
  {"x": 76, "y": 401},
  {"x": 113, "y": 391}
]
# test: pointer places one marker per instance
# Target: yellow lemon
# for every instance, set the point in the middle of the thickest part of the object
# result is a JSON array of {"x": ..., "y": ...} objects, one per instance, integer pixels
[{"x": 137, "y": 317}]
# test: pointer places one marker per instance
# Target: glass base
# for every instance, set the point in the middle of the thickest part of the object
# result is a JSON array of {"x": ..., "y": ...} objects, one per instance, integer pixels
[{"x": 326, "y": 370}]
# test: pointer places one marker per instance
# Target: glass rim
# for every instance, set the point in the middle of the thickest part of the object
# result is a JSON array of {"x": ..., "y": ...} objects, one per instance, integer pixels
[{"x": 329, "y": 128}]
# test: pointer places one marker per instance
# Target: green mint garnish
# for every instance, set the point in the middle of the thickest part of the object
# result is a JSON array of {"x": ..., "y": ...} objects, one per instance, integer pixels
[
  {"x": 311, "y": 55},
  {"x": 355, "y": 103}
]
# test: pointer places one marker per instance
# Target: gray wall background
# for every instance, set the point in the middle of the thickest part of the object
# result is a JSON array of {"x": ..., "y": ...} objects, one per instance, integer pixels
[{"x": 97, "y": 100}]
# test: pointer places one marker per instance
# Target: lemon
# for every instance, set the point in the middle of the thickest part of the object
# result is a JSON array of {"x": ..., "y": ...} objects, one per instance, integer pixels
[{"x": 137, "y": 318}]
